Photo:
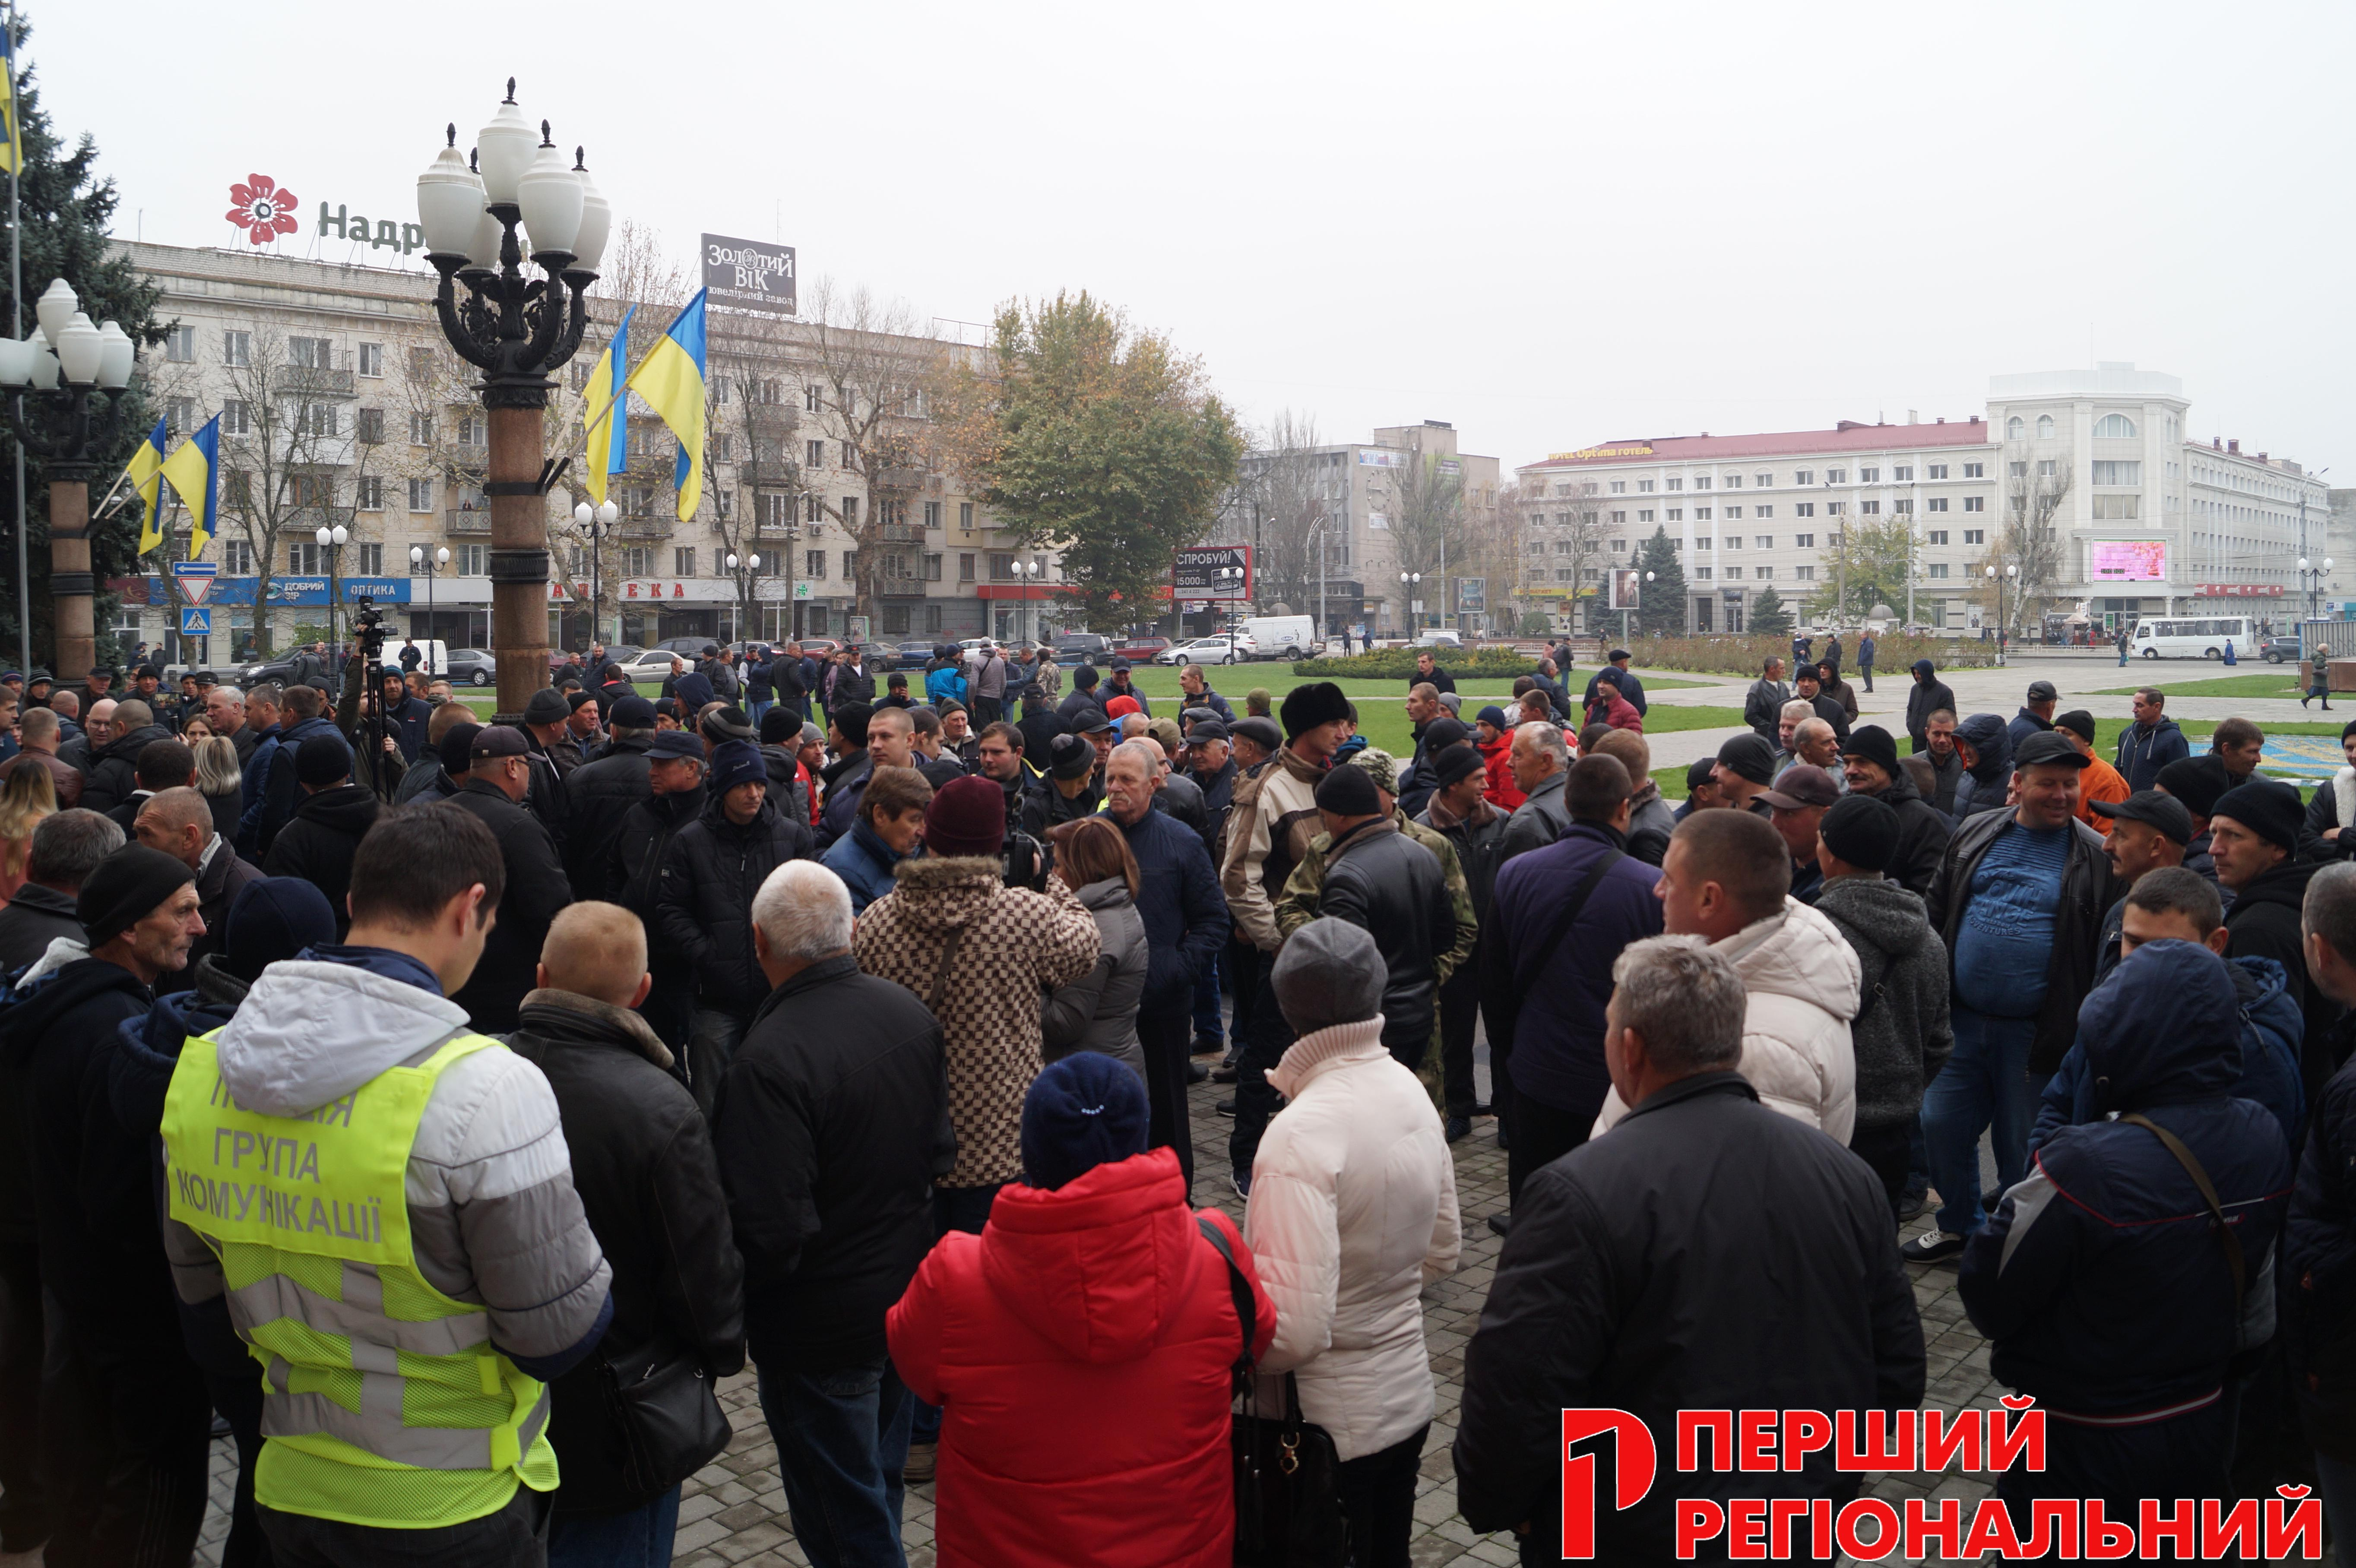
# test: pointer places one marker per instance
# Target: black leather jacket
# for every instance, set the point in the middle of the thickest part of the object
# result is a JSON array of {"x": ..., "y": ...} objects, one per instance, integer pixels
[
  {"x": 2089, "y": 888},
  {"x": 1378, "y": 878}
]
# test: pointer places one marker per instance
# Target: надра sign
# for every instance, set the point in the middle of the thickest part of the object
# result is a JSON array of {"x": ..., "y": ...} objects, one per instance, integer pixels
[{"x": 748, "y": 275}]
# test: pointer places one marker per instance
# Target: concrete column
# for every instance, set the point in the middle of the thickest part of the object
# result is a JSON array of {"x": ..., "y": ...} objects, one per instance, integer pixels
[
  {"x": 71, "y": 606},
  {"x": 519, "y": 560}
]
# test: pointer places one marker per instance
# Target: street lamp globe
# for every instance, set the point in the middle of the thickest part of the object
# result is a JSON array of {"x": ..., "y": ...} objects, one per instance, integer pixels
[
  {"x": 340, "y": 534},
  {"x": 753, "y": 561},
  {"x": 442, "y": 557},
  {"x": 584, "y": 514},
  {"x": 323, "y": 537},
  {"x": 608, "y": 513},
  {"x": 417, "y": 555},
  {"x": 731, "y": 560}
]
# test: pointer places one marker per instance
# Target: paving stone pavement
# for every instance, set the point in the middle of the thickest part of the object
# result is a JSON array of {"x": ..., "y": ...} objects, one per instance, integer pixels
[{"x": 732, "y": 1514}]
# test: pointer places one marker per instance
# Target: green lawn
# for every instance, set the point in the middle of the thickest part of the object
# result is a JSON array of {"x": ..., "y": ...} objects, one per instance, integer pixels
[
  {"x": 1232, "y": 682},
  {"x": 2273, "y": 681}
]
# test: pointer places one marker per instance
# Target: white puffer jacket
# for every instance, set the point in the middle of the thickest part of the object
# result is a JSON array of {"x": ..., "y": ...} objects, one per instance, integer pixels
[
  {"x": 1353, "y": 1211},
  {"x": 1802, "y": 977}
]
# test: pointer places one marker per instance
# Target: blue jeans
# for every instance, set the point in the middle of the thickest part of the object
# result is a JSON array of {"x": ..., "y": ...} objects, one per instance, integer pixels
[
  {"x": 842, "y": 1441},
  {"x": 761, "y": 705},
  {"x": 963, "y": 1209},
  {"x": 638, "y": 1538},
  {"x": 1206, "y": 1005},
  {"x": 1985, "y": 1086}
]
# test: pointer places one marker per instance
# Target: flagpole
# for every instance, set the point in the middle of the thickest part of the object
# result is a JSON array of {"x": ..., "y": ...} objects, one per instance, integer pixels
[{"x": 16, "y": 330}]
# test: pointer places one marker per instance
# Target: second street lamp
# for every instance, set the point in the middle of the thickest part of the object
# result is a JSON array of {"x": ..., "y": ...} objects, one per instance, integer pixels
[{"x": 477, "y": 222}]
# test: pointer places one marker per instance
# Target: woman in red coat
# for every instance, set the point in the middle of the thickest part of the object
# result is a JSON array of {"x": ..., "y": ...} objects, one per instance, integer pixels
[{"x": 1080, "y": 1349}]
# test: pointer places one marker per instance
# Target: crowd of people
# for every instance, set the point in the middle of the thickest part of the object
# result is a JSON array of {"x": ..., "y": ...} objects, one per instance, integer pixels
[{"x": 443, "y": 1107}]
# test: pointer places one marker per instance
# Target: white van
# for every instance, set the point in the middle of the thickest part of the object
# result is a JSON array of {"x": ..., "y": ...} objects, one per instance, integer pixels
[
  {"x": 2202, "y": 638},
  {"x": 1280, "y": 637},
  {"x": 434, "y": 657}
]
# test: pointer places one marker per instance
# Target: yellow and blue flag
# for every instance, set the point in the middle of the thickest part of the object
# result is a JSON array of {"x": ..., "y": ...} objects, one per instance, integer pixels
[
  {"x": 195, "y": 472},
  {"x": 670, "y": 380},
  {"x": 147, "y": 478},
  {"x": 11, "y": 151},
  {"x": 603, "y": 415}
]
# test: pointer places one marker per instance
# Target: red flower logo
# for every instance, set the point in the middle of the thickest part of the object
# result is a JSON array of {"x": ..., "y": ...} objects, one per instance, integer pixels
[{"x": 262, "y": 208}]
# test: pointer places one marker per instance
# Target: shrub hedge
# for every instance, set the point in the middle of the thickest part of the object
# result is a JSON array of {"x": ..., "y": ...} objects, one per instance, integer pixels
[
  {"x": 1745, "y": 654},
  {"x": 1398, "y": 664}
]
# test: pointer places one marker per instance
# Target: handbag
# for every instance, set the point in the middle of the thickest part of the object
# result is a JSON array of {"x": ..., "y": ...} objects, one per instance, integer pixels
[
  {"x": 668, "y": 1414},
  {"x": 1288, "y": 1496}
]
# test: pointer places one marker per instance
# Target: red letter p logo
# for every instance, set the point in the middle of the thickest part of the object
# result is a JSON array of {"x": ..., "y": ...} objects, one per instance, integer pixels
[{"x": 1631, "y": 1473}]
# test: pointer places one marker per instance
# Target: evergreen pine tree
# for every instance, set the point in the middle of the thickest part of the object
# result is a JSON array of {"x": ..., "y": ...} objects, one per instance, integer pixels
[
  {"x": 1770, "y": 616},
  {"x": 65, "y": 208},
  {"x": 1661, "y": 588}
]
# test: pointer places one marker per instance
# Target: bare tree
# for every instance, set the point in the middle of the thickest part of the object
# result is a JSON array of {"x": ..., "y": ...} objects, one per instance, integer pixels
[
  {"x": 1286, "y": 490},
  {"x": 872, "y": 368},
  {"x": 289, "y": 441},
  {"x": 755, "y": 415},
  {"x": 2028, "y": 541}
]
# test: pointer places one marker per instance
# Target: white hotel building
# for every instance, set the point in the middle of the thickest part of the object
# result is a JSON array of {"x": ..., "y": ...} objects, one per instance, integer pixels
[{"x": 2151, "y": 519}]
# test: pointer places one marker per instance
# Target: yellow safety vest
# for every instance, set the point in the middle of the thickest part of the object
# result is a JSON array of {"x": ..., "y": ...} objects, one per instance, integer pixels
[{"x": 384, "y": 1401}]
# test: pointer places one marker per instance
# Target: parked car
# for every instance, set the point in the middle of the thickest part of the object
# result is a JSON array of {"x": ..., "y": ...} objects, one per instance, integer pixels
[
  {"x": 1083, "y": 648},
  {"x": 652, "y": 666},
  {"x": 1142, "y": 650},
  {"x": 2278, "y": 648},
  {"x": 1438, "y": 640},
  {"x": 912, "y": 656},
  {"x": 1209, "y": 650},
  {"x": 472, "y": 667}
]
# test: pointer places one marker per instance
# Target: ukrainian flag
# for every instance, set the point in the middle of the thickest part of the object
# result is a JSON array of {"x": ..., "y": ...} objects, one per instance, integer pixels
[
  {"x": 603, "y": 417},
  {"x": 146, "y": 477},
  {"x": 670, "y": 380},
  {"x": 11, "y": 151},
  {"x": 195, "y": 472}
]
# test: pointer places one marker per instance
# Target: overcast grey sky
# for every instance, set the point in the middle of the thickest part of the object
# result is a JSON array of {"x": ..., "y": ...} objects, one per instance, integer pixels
[{"x": 1549, "y": 224}]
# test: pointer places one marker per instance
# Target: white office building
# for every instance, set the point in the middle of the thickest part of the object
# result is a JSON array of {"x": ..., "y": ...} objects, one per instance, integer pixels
[{"x": 2149, "y": 518}]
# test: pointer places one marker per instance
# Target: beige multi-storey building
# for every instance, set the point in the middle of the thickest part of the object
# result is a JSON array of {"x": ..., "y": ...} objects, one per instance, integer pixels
[
  {"x": 2096, "y": 468},
  {"x": 341, "y": 405}
]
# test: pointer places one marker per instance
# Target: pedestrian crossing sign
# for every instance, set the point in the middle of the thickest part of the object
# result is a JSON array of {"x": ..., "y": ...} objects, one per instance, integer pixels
[{"x": 196, "y": 621}]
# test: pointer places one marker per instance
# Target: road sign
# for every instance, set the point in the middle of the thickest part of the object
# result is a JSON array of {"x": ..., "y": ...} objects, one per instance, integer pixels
[
  {"x": 195, "y": 577},
  {"x": 196, "y": 621}
]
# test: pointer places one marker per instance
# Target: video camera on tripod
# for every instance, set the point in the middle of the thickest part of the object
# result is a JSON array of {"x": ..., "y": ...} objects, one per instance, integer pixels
[{"x": 368, "y": 629}]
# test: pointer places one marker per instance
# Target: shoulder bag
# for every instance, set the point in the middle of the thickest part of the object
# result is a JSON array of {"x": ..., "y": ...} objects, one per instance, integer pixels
[
  {"x": 1288, "y": 1498},
  {"x": 668, "y": 1414}
]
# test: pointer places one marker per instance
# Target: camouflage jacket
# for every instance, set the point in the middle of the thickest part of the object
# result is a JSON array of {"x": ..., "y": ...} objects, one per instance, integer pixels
[{"x": 1305, "y": 887}]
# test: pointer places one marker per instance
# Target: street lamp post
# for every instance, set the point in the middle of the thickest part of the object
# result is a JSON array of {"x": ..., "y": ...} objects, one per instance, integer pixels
[
  {"x": 736, "y": 610},
  {"x": 2001, "y": 583},
  {"x": 1027, "y": 573},
  {"x": 333, "y": 540},
  {"x": 597, "y": 522},
  {"x": 68, "y": 437},
  {"x": 1229, "y": 581},
  {"x": 478, "y": 220},
  {"x": 432, "y": 572},
  {"x": 1410, "y": 582},
  {"x": 2311, "y": 577}
]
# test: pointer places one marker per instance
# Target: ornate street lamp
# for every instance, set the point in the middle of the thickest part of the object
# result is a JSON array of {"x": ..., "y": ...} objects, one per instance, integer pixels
[
  {"x": 1409, "y": 582},
  {"x": 743, "y": 594},
  {"x": 597, "y": 522},
  {"x": 478, "y": 221},
  {"x": 432, "y": 574},
  {"x": 333, "y": 540},
  {"x": 56, "y": 423}
]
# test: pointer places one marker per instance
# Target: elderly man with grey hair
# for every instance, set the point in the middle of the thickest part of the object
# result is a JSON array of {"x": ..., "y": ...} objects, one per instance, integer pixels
[
  {"x": 830, "y": 1127},
  {"x": 1813, "y": 743},
  {"x": 67, "y": 848},
  {"x": 1796, "y": 712},
  {"x": 1611, "y": 1290},
  {"x": 1540, "y": 758}
]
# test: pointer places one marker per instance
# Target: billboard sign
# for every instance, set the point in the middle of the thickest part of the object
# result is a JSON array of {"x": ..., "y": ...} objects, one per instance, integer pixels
[
  {"x": 1471, "y": 595},
  {"x": 749, "y": 275},
  {"x": 1626, "y": 583},
  {"x": 2126, "y": 561},
  {"x": 1213, "y": 572},
  {"x": 1377, "y": 457}
]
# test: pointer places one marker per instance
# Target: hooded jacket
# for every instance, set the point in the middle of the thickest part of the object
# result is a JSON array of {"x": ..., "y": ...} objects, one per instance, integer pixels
[
  {"x": 2143, "y": 753},
  {"x": 864, "y": 862},
  {"x": 319, "y": 844},
  {"x": 1080, "y": 1348},
  {"x": 649, "y": 1187},
  {"x": 1927, "y": 696},
  {"x": 1651, "y": 821},
  {"x": 494, "y": 1217},
  {"x": 2101, "y": 1278},
  {"x": 1015, "y": 945},
  {"x": 704, "y": 911},
  {"x": 2023, "y": 725},
  {"x": 1498, "y": 769},
  {"x": 1901, "y": 1030},
  {"x": 1923, "y": 834},
  {"x": 1353, "y": 1211},
  {"x": 33, "y": 917},
  {"x": 270, "y": 812},
  {"x": 1989, "y": 778},
  {"x": 2271, "y": 1029},
  {"x": 1098, "y": 1010},
  {"x": 1801, "y": 976}
]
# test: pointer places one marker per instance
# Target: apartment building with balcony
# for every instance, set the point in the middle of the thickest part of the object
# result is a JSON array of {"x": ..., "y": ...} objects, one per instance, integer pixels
[
  {"x": 340, "y": 404},
  {"x": 2142, "y": 517}
]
